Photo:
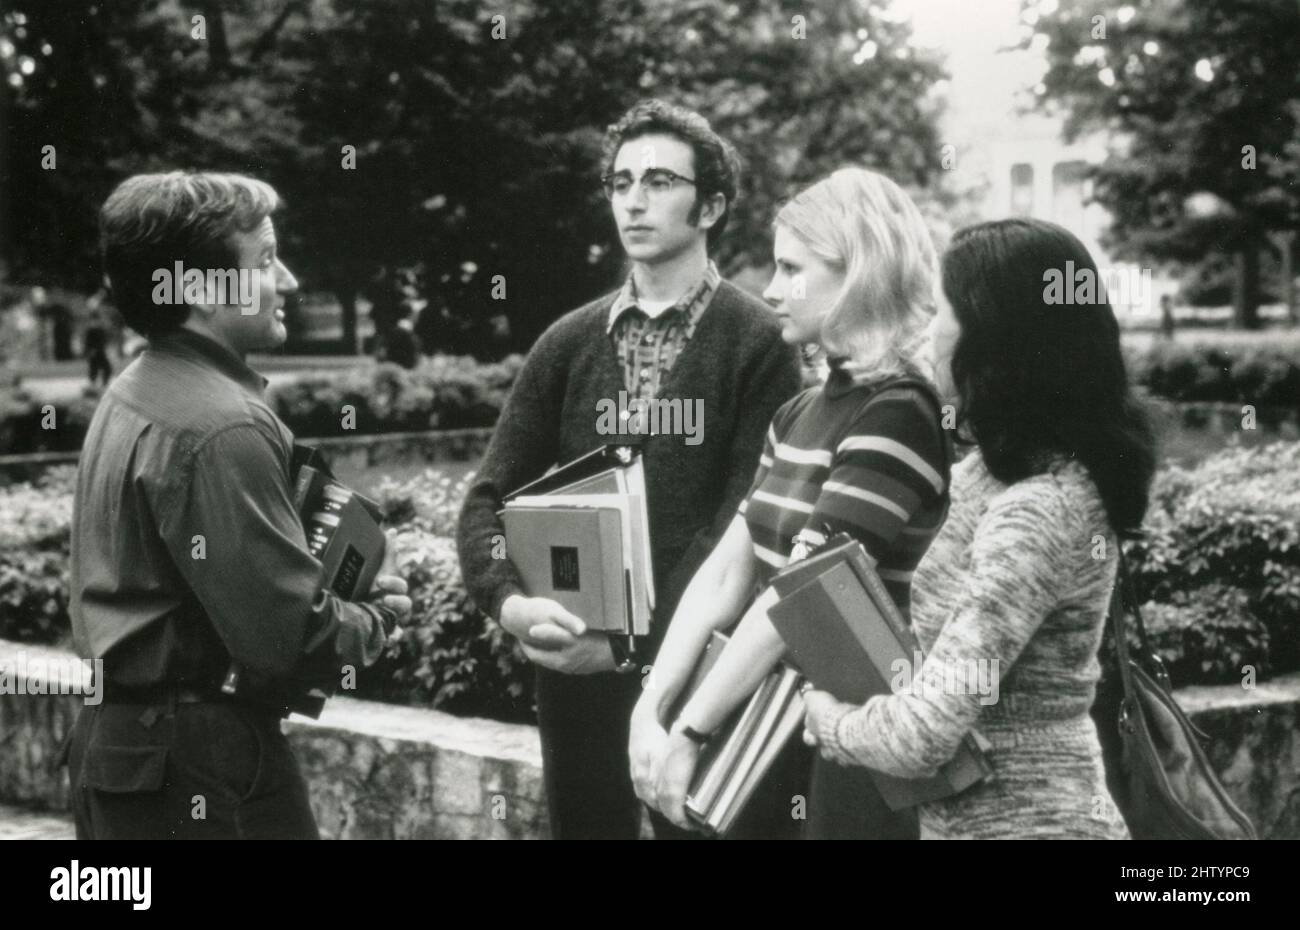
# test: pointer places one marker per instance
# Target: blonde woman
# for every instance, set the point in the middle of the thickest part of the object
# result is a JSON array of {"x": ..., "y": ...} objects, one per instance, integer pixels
[{"x": 864, "y": 454}]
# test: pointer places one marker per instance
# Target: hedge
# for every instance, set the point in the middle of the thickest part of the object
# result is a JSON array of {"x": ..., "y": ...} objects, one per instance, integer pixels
[
  {"x": 453, "y": 392},
  {"x": 1262, "y": 375},
  {"x": 442, "y": 392},
  {"x": 1219, "y": 570}
]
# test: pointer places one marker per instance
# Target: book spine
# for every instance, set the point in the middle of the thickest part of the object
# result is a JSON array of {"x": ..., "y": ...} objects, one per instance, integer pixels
[
  {"x": 713, "y": 776},
  {"x": 788, "y": 713},
  {"x": 727, "y": 807}
]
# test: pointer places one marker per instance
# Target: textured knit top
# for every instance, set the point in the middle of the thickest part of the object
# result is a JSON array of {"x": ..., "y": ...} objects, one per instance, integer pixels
[
  {"x": 849, "y": 456},
  {"x": 735, "y": 365},
  {"x": 1012, "y": 594}
]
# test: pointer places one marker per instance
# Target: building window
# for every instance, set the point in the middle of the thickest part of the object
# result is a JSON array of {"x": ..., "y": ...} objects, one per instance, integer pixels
[
  {"x": 1022, "y": 189},
  {"x": 1069, "y": 195}
]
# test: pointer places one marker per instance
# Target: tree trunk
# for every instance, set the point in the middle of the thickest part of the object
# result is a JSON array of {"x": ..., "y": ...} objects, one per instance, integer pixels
[
  {"x": 348, "y": 301},
  {"x": 1245, "y": 288}
]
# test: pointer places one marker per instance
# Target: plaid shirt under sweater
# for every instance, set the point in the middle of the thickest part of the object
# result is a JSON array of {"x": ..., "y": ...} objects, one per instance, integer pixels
[{"x": 648, "y": 346}]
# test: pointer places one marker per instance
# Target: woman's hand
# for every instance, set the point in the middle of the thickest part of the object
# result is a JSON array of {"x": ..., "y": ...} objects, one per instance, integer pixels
[
  {"x": 646, "y": 747},
  {"x": 675, "y": 773},
  {"x": 822, "y": 715}
]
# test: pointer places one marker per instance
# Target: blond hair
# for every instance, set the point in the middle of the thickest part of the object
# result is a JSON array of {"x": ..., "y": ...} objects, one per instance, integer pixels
[{"x": 865, "y": 225}]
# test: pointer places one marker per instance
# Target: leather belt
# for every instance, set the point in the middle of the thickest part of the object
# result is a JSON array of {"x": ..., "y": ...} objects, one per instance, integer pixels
[{"x": 162, "y": 694}]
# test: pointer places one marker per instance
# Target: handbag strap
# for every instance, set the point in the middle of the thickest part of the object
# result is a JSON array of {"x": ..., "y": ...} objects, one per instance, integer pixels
[{"x": 1123, "y": 602}]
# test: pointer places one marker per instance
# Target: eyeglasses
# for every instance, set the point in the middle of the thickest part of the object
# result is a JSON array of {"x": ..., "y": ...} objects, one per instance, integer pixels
[{"x": 655, "y": 182}]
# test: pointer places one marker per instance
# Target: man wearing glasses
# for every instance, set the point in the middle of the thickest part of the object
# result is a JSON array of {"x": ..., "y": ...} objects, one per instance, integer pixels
[{"x": 675, "y": 330}]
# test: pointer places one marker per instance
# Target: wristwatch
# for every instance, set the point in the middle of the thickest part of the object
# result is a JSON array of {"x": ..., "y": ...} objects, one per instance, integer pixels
[
  {"x": 624, "y": 650},
  {"x": 694, "y": 735}
]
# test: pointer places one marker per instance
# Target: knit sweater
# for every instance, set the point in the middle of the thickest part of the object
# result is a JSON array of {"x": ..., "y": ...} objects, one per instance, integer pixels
[
  {"x": 735, "y": 365},
  {"x": 1016, "y": 581}
]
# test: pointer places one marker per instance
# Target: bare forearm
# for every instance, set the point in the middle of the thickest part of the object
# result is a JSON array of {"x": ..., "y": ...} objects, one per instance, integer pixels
[
  {"x": 712, "y": 600},
  {"x": 751, "y": 654}
]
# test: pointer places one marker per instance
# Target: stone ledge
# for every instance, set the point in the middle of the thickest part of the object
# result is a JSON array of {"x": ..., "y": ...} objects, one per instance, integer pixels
[{"x": 380, "y": 771}]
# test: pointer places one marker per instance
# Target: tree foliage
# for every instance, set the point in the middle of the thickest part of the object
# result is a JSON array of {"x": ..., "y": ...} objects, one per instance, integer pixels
[
  {"x": 1203, "y": 100},
  {"x": 475, "y": 127}
]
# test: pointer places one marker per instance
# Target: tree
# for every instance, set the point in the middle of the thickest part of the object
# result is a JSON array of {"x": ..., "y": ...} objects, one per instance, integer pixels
[
  {"x": 1201, "y": 98},
  {"x": 457, "y": 143}
]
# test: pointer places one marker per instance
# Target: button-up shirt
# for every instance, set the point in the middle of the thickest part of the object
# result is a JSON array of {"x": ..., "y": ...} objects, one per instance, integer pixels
[
  {"x": 648, "y": 344},
  {"x": 187, "y": 552}
]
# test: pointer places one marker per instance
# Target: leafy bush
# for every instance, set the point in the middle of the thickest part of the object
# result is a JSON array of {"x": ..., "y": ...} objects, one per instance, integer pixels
[
  {"x": 447, "y": 655},
  {"x": 1266, "y": 375},
  {"x": 34, "y": 582},
  {"x": 1233, "y": 521},
  {"x": 1208, "y": 635},
  {"x": 442, "y": 392}
]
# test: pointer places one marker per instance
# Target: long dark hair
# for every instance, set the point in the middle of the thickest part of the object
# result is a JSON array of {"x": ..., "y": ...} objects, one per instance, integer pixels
[{"x": 1037, "y": 375}]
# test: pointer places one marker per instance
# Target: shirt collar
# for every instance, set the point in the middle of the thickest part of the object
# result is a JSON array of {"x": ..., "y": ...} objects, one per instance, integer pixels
[
  {"x": 692, "y": 302},
  {"x": 844, "y": 376},
  {"x": 186, "y": 343}
]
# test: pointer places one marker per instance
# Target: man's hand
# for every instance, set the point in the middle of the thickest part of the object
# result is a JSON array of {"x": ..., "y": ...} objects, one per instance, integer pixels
[
  {"x": 584, "y": 655},
  {"x": 554, "y": 638},
  {"x": 390, "y": 592}
]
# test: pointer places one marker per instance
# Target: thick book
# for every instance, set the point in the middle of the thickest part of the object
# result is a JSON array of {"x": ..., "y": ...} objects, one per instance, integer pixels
[
  {"x": 572, "y": 555},
  {"x": 611, "y": 478},
  {"x": 344, "y": 531},
  {"x": 743, "y": 750},
  {"x": 844, "y": 632}
]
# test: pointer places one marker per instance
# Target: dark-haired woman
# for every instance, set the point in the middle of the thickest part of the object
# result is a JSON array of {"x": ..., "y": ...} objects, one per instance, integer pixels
[{"x": 1015, "y": 589}]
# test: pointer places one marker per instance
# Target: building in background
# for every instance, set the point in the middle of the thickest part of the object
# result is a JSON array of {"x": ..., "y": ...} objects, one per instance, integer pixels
[{"x": 1014, "y": 157}]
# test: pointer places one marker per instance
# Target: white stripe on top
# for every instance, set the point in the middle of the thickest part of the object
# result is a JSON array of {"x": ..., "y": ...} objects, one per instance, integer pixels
[
  {"x": 789, "y": 503},
  {"x": 898, "y": 451},
  {"x": 803, "y": 456},
  {"x": 838, "y": 487}
]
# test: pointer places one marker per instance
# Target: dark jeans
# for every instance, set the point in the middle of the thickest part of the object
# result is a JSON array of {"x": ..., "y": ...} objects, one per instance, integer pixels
[
  {"x": 584, "y": 722},
  {"x": 216, "y": 770}
]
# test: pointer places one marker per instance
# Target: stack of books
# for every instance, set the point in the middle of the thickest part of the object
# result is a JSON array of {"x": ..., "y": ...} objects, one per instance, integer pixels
[
  {"x": 344, "y": 532},
  {"x": 580, "y": 535},
  {"x": 844, "y": 632},
  {"x": 733, "y": 764}
]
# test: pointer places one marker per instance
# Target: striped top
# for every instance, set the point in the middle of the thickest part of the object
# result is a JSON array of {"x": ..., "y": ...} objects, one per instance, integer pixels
[{"x": 860, "y": 458}]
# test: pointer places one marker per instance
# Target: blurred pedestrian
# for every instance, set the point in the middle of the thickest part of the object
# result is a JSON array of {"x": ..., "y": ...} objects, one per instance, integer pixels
[
  {"x": 94, "y": 346},
  {"x": 1166, "y": 316}
]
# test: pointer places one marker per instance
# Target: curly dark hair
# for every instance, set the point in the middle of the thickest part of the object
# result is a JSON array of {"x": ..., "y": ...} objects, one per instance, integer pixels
[
  {"x": 1037, "y": 377},
  {"x": 717, "y": 164}
]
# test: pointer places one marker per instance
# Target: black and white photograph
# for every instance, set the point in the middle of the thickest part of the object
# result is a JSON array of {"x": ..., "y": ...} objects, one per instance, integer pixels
[{"x": 702, "y": 420}]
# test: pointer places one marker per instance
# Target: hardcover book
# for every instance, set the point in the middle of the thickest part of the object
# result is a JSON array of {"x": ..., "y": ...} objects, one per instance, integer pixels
[
  {"x": 844, "y": 632},
  {"x": 733, "y": 764},
  {"x": 580, "y": 535},
  {"x": 343, "y": 531}
]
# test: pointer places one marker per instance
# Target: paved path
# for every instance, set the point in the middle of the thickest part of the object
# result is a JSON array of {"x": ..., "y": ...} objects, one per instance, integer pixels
[{"x": 19, "y": 823}]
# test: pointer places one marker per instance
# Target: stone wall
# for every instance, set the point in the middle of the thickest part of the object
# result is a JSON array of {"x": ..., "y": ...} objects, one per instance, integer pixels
[{"x": 376, "y": 771}]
